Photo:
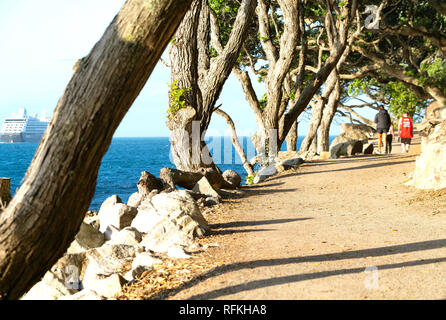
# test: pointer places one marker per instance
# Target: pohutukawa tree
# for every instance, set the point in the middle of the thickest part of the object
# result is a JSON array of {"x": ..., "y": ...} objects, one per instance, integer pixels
[
  {"x": 45, "y": 214},
  {"x": 285, "y": 49},
  {"x": 201, "y": 60}
]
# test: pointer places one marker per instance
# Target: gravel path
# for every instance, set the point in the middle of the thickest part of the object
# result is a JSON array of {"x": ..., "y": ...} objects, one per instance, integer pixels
[{"x": 334, "y": 229}]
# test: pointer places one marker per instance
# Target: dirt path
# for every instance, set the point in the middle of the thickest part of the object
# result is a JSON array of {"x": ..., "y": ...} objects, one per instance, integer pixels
[{"x": 335, "y": 229}]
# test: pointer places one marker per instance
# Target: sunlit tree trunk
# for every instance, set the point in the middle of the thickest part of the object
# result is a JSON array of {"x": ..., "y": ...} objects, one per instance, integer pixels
[{"x": 45, "y": 214}]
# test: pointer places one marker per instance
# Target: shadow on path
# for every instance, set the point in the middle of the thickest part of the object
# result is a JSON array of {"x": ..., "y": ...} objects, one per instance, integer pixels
[{"x": 355, "y": 254}]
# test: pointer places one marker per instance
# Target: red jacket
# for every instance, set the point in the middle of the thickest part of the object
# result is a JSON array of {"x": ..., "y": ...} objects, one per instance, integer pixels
[{"x": 406, "y": 128}]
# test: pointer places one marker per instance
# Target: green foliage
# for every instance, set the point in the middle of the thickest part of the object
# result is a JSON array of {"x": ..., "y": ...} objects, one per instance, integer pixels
[
  {"x": 250, "y": 178},
  {"x": 434, "y": 74},
  {"x": 402, "y": 99},
  {"x": 176, "y": 99}
]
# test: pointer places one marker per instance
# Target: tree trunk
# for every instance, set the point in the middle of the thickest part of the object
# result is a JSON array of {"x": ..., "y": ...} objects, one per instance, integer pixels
[
  {"x": 45, "y": 214},
  {"x": 323, "y": 140},
  {"x": 203, "y": 78},
  {"x": 317, "y": 111},
  {"x": 235, "y": 142},
  {"x": 5, "y": 191},
  {"x": 291, "y": 138}
]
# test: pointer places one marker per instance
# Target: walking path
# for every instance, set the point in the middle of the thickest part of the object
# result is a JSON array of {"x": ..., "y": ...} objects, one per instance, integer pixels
[{"x": 335, "y": 229}]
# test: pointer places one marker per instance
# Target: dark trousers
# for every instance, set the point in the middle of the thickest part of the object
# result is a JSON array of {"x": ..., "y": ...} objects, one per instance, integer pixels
[{"x": 389, "y": 139}]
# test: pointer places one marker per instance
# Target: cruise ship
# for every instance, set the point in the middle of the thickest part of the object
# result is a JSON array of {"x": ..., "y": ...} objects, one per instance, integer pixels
[{"x": 23, "y": 128}]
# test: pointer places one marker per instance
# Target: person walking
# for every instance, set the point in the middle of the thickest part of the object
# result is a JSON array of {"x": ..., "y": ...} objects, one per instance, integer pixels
[
  {"x": 389, "y": 138},
  {"x": 405, "y": 131},
  {"x": 383, "y": 122}
]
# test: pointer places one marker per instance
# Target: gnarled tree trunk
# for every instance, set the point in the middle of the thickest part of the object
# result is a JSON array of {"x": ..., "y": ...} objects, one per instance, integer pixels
[{"x": 45, "y": 214}]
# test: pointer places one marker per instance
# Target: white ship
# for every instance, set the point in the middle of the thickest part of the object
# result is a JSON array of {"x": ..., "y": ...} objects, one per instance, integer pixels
[{"x": 23, "y": 128}]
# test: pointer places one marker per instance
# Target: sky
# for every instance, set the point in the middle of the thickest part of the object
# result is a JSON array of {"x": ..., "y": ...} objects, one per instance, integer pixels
[{"x": 42, "y": 40}]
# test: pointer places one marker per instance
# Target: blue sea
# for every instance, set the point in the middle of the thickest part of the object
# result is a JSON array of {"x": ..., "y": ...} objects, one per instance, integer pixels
[{"x": 124, "y": 161}]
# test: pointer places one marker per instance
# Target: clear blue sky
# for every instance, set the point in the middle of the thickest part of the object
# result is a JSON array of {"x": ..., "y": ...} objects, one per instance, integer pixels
[{"x": 42, "y": 40}]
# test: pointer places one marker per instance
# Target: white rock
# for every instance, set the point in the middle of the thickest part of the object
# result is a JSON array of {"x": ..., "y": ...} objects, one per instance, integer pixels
[
  {"x": 177, "y": 252},
  {"x": 119, "y": 215},
  {"x": 145, "y": 259},
  {"x": 204, "y": 187},
  {"x": 49, "y": 288},
  {"x": 85, "y": 294},
  {"x": 146, "y": 220},
  {"x": 264, "y": 173},
  {"x": 105, "y": 286},
  {"x": 128, "y": 236}
]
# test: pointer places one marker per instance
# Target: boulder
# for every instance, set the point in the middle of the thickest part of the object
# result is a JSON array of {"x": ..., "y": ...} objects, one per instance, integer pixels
[
  {"x": 233, "y": 178},
  {"x": 348, "y": 148},
  {"x": 119, "y": 215},
  {"x": 128, "y": 236},
  {"x": 169, "y": 219},
  {"x": 148, "y": 182},
  {"x": 135, "y": 199},
  {"x": 204, "y": 187},
  {"x": 178, "y": 201},
  {"x": 105, "y": 286},
  {"x": 430, "y": 165},
  {"x": 368, "y": 148},
  {"x": 145, "y": 259},
  {"x": 87, "y": 237},
  {"x": 49, "y": 288},
  {"x": 265, "y": 173},
  {"x": 146, "y": 220}
]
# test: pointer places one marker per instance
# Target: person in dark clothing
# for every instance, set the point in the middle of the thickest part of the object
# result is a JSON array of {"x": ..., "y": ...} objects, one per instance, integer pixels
[
  {"x": 389, "y": 139},
  {"x": 383, "y": 122}
]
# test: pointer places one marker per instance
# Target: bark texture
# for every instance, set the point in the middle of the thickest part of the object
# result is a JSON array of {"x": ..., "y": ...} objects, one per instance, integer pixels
[
  {"x": 45, "y": 214},
  {"x": 202, "y": 76},
  {"x": 5, "y": 191}
]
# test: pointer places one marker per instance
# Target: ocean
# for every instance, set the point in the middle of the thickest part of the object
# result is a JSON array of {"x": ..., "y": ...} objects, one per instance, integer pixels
[{"x": 124, "y": 161}]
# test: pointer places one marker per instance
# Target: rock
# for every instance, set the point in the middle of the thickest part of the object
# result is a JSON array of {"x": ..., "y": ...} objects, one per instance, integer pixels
[
  {"x": 177, "y": 252},
  {"x": 87, "y": 237},
  {"x": 148, "y": 182},
  {"x": 368, "y": 148},
  {"x": 110, "y": 232},
  {"x": 204, "y": 187},
  {"x": 127, "y": 236},
  {"x": 119, "y": 215},
  {"x": 145, "y": 259},
  {"x": 354, "y": 147},
  {"x": 348, "y": 148},
  {"x": 62, "y": 279},
  {"x": 84, "y": 295},
  {"x": 233, "y": 178},
  {"x": 105, "y": 286},
  {"x": 430, "y": 165},
  {"x": 116, "y": 251},
  {"x": 146, "y": 219},
  {"x": 292, "y": 163},
  {"x": 355, "y": 132},
  {"x": 178, "y": 201},
  {"x": 134, "y": 274},
  {"x": 92, "y": 220},
  {"x": 110, "y": 201},
  {"x": 49, "y": 288},
  {"x": 169, "y": 219},
  {"x": 135, "y": 200},
  {"x": 212, "y": 201},
  {"x": 265, "y": 173}
]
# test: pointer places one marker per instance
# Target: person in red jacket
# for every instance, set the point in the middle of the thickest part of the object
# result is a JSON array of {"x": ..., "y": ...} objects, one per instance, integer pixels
[{"x": 405, "y": 132}]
